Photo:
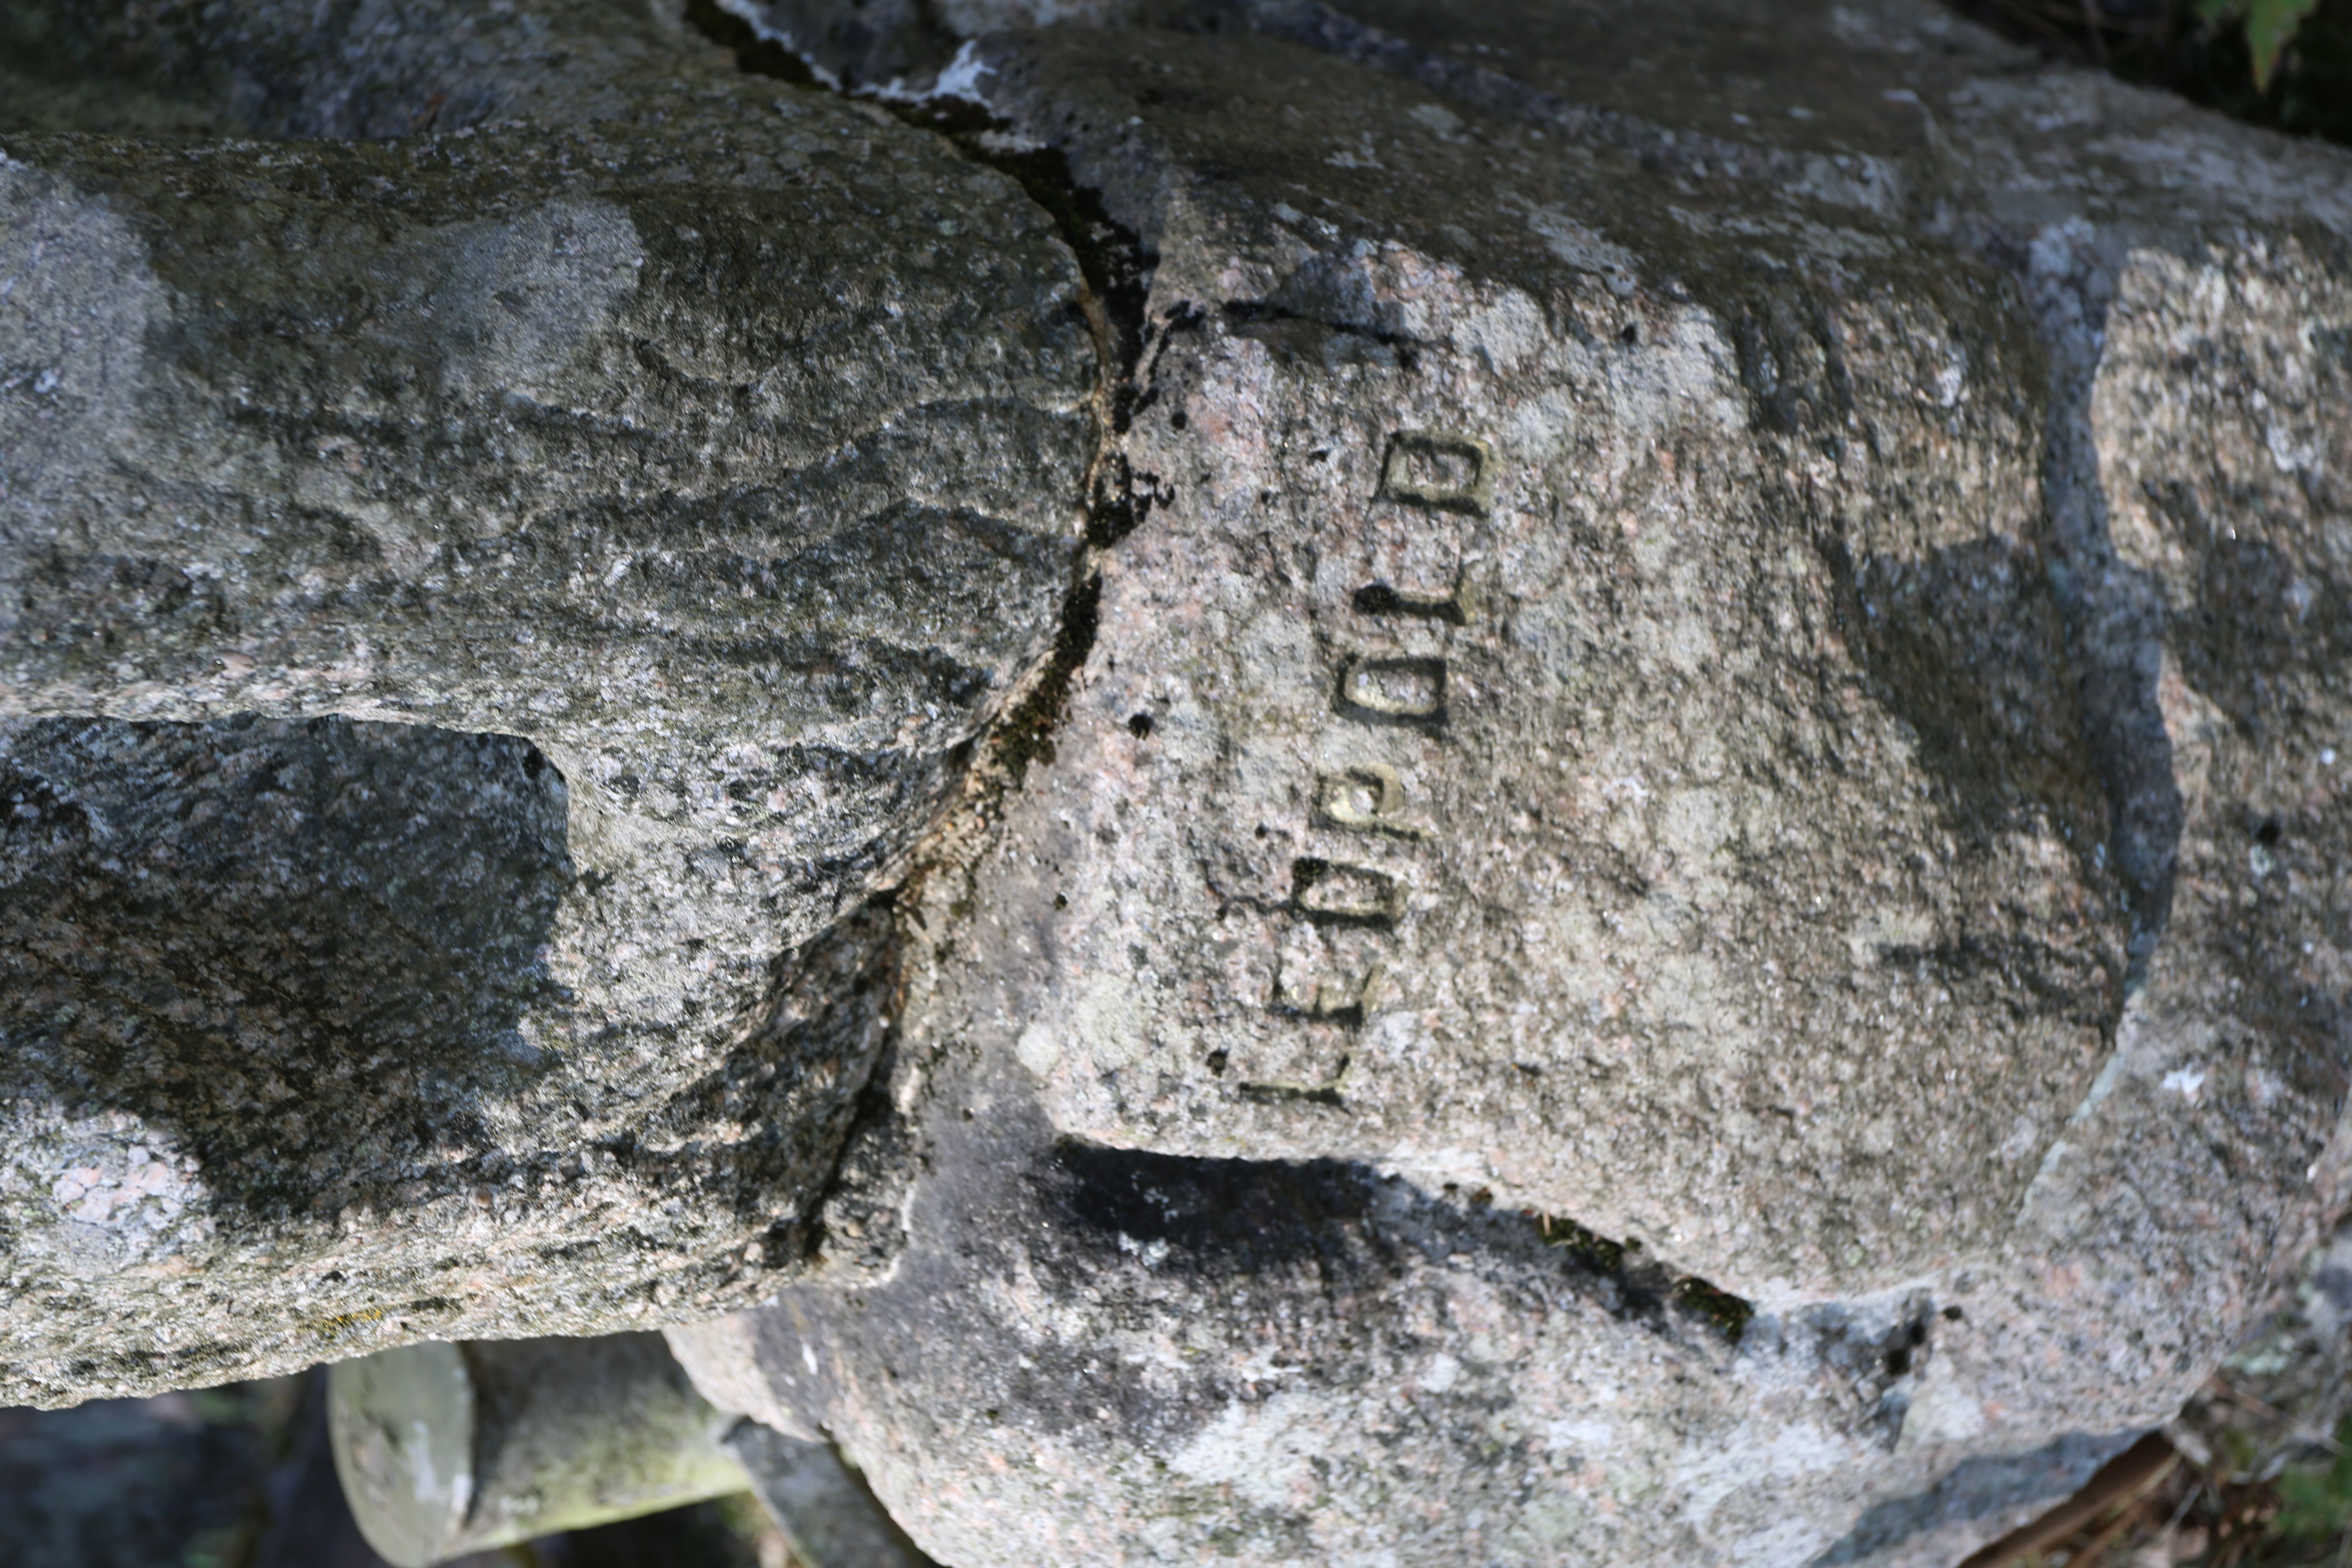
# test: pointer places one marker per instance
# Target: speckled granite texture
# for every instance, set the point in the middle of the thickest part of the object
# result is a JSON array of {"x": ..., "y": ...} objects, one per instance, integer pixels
[
  {"x": 536, "y": 577},
  {"x": 1661, "y": 887},
  {"x": 1727, "y": 635}
]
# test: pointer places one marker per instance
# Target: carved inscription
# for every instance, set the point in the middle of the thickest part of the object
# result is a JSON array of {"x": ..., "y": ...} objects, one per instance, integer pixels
[
  {"x": 1441, "y": 468},
  {"x": 1330, "y": 893},
  {"x": 1365, "y": 799},
  {"x": 1409, "y": 691},
  {"x": 1379, "y": 599},
  {"x": 1324, "y": 1002},
  {"x": 1308, "y": 1093}
]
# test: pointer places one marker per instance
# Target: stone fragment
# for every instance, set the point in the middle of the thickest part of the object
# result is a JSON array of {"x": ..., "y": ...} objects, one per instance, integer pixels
[
  {"x": 484, "y": 611},
  {"x": 828, "y": 1517},
  {"x": 1157, "y": 1358},
  {"x": 1720, "y": 648},
  {"x": 446, "y": 1449},
  {"x": 1672, "y": 896},
  {"x": 1584, "y": 761}
]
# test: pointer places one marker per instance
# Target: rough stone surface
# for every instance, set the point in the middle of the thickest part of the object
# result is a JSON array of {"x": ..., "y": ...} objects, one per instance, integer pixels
[
  {"x": 536, "y": 578},
  {"x": 450, "y": 1449},
  {"x": 1727, "y": 640},
  {"x": 1681, "y": 822},
  {"x": 1673, "y": 894},
  {"x": 822, "y": 1507}
]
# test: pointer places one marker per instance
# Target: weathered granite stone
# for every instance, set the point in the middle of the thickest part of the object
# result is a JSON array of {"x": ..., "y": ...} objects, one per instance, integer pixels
[
  {"x": 449, "y": 1449},
  {"x": 1672, "y": 897},
  {"x": 1087, "y": 1355},
  {"x": 822, "y": 1507},
  {"x": 1727, "y": 633},
  {"x": 1647, "y": 794},
  {"x": 537, "y": 578}
]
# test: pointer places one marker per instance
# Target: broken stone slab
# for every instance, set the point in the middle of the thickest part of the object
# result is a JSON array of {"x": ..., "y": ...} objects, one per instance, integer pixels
[
  {"x": 273, "y": 1000},
  {"x": 1519, "y": 386},
  {"x": 1537, "y": 740},
  {"x": 445, "y": 1449},
  {"x": 522, "y": 588},
  {"x": 1160, "y": 1356},
  {"x": 828, "y": 1517}
]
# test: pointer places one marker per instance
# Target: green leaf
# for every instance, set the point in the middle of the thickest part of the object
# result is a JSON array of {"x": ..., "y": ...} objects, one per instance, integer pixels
[
  {"x": 2270, "y": 28},
  {"x": 2216, "y": 10}
]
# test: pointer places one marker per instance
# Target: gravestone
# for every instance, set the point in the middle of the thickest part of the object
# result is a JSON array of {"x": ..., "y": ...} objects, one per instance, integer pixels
[
  {"x": 1687, "y": 911},
  {"x": 1661, "y": 885}
]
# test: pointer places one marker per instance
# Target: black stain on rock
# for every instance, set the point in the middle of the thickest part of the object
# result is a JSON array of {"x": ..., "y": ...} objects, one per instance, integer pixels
[{"x": 300, "y": 949}]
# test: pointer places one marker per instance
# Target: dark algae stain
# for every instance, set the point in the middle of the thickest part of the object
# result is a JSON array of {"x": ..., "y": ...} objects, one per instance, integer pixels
[
  {"x": 1645, "y": 1281},
  {"x": 1243, "y": 1217},
  {"x": 1026, "y": 734}
]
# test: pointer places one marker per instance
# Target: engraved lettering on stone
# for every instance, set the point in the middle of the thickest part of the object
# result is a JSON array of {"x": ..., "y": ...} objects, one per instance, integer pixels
[
  {"x": 1408, "y": 691},
  {"x": 1366, "y": 798},
  {"x": 1441, "y": 468},
  {"x": 1298, "y": 1093},
  {"x": 1449, "y": 472},
  {"x": 1332, "y": 893},
  {"x": 1323, "y": 1002},
  {"x": 1380, "y": 599}
]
